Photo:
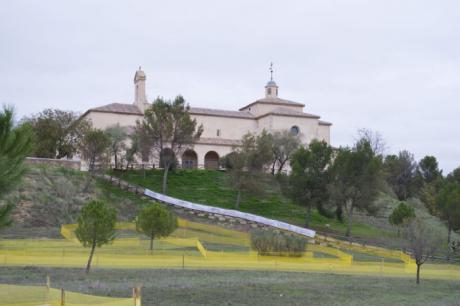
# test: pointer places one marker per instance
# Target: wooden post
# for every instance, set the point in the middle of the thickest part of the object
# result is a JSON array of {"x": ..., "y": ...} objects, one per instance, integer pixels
[
  {"x": 137, "y": 296},
  {"x": 47, "y": 289},
  {"x": 62, "y": 297}
]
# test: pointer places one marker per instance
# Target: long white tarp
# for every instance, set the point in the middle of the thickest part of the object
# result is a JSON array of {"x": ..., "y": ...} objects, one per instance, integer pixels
[{"x": 230, "y": 213}]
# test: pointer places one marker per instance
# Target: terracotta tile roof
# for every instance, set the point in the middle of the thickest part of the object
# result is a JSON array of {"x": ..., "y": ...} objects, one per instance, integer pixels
[
  {"x": 277, "y": 101},
  {"x": 118, "y": 108},
  {"x": 321, "y": 122},
  {"x": 282, "y": 111},
  {"x": 220, "y": 113}
]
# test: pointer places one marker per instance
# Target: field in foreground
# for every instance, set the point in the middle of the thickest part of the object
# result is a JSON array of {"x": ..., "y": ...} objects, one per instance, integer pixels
[{"x": 201, "y": 287}]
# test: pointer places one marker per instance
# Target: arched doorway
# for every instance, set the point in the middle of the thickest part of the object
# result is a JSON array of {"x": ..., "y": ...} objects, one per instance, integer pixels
[
  {"x": 189, "y": 160},
  {"x": 167, "y": 157},
  {"x": 211, "y": 160}
]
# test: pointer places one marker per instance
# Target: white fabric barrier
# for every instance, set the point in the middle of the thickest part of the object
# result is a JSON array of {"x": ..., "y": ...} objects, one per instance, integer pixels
[{"x": 231, "y": 213}]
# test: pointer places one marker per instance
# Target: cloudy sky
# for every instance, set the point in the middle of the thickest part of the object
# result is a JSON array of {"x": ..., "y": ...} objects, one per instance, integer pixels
[{"x": 392, "y": 66}]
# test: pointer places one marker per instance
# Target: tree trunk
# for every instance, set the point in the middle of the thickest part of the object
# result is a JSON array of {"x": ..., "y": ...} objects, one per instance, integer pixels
[
  {"x": 116, "y": 161},
  {"x": 165, "y": 177},
  {"x": 151, "y": 243},
  {"x": 281, "y": 166},
  {"x": 308, "y": 217},
  {"x": 349, "y": 221},
  {"x": 88, "y": 266},
  {"x": 418, "y": 274},
  {"x": 449, "y": 231},
  {"x": 238, "y": 199},
  {"x": 273, "y": 168}
]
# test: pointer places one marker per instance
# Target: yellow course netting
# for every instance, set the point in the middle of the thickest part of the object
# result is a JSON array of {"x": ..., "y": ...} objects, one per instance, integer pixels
[
  {"x": 12, "y": 295},
  {"x": 196, "y": 245}
]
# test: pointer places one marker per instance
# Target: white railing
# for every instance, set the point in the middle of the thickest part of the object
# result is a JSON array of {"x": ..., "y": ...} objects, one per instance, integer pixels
[{"x": 230, "y": 213}]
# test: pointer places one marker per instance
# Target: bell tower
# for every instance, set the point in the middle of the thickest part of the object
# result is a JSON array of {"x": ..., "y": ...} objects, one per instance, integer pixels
[
  {"x": 140, "y": 99},
  {"x": 271, "y": 89}
]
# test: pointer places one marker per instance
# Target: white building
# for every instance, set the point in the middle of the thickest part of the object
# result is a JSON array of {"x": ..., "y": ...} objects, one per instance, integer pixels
[{"x": 223, "y": 129}]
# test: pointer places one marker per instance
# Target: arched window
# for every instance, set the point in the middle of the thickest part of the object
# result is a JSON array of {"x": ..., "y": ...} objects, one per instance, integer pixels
[{"x": 295, "y": 130}]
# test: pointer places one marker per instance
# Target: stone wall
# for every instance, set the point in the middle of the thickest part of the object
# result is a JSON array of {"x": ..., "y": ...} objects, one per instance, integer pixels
[{"x": 71, "y": 164}]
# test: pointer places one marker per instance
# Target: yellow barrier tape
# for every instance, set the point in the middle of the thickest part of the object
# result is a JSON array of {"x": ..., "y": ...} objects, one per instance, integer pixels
[{"x": 12, "y": 295}]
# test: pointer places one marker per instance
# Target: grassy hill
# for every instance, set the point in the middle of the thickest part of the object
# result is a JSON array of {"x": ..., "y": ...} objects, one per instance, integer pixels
[{"x": 210, "y": 188}]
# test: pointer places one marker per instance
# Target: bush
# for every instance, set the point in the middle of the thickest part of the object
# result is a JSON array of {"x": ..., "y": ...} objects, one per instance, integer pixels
[{"x": 278, "y": 244}]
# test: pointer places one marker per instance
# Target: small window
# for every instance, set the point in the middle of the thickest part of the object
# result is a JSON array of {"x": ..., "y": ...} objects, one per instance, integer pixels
[
  {"x": 218, "y": 132},
  {"x": 269, "y": 91},
  {"x": 295, "y": 130}
]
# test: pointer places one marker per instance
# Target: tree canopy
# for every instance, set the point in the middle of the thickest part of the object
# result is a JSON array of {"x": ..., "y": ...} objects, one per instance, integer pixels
[
  {"x": 428, "y": 170},
  {"x": 170, "y": 130},
  {"x": 401, "y": 215},
  {"x": 117, "y": 136},
  {"x": 156, "y": 221},
  {"x": 421, "y": 241},
  {"x": 284, "y": 144},
  {"x": 56, "y": 133},
  {"x": 247, "y": 164},
  {"x": 400, "y": 173},
  {"x": 310, "y": 177},
  {"x": 15, "y": 145},
  {"x": 96, "y": 227},
  {"x": 448, "y": 203},
  {"x": 94, "y": 150},
  {"x": 356, "y": 179}
]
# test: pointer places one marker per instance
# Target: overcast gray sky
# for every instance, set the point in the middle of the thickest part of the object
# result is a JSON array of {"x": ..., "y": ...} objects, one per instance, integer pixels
[{"x": 390, "y": 66}]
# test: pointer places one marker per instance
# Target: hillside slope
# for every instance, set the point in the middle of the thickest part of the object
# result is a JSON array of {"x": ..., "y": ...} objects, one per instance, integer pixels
[
  {"x": 49, "y": 196},
  {"x": 210, "y": 188}
]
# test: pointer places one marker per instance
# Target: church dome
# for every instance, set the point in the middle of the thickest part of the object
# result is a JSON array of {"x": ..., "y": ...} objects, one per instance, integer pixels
[{"x": 271, "y": 83}]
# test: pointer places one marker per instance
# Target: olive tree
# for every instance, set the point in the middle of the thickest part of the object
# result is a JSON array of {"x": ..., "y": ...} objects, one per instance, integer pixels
[
  {"x": 117, "y": 136},
  {"x": 96, "y": 227},
  {"x": 355, "y": 180},
  {"x": 422, "y": 241},
  {"x": 284, "y": 144},
  {"x": 247, "y": 164},
  {"x": 15, "y": 144},
  {"x": 156, "y": 221},
  {"x": 94, "y": 150}
]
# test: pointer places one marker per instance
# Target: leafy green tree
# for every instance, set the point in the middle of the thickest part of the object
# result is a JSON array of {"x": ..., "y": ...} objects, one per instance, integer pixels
[
  {"x": 422, "y": 241},
  {"x": 94, "y": 150},
  {"x": 117, "y": 135},
  {"x": 448, "y": 201},
  {"x": 284, "y": 144},
  {"x": 454, "y": 176},
  {"x": 401, "y": 215},
  {"x": 96, "y": 227},
  {"x": 400, "y": 173},
  {"x": 170, "y": 130},
  {"x": 15, "y": 145},
  {"x": 57, "y": 133},
  {"x": 247, "y": 164},
  {"x": 428, "y": 170},
  {"x": 156, "y": 221},
  {"x": 429, "y": 180},
  {"x": 309, "y": 177},
  {"x": 356, "y": 180}
]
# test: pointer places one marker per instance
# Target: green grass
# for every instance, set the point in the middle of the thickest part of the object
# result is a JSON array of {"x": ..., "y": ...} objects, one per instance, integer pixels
[
  {"x": 210, "y": 188},
  {"x": 205, "y": 287}
]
